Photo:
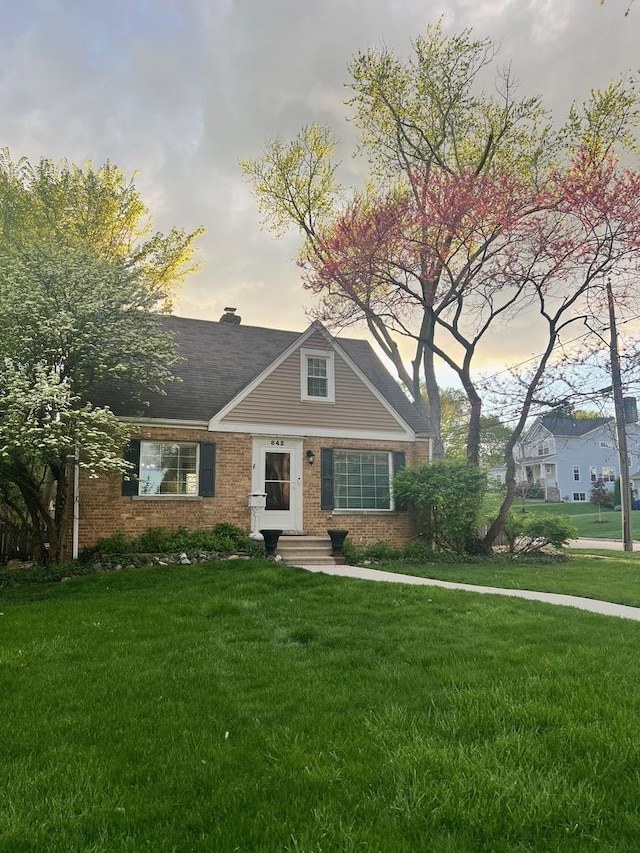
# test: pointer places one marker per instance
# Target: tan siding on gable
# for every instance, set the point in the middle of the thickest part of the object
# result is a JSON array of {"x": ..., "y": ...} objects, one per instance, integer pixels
[
  {"x": 277, "y": 400},
  {"x": 318, "y": 341}
]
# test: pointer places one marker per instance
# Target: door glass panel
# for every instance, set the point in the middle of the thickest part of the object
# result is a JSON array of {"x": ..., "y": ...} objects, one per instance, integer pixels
[{"x": 277, "y": 480}]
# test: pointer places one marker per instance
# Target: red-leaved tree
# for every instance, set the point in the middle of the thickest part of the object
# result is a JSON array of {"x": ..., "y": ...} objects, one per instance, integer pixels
[{"x": 475, "y": 210}]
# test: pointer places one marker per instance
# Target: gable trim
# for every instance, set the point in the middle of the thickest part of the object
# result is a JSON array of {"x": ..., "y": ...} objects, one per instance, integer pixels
[
  {"x": 311, "y": 431},
  {"x": 165, "y": 422}
]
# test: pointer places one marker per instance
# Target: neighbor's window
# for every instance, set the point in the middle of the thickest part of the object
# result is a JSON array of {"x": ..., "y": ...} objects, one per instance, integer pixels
[
  {"x": 361, "y": 479},
  {"x": 543, "y": 448},
  {"x": 593, "y": 473},
  {"x": 317, "y": 382},
  {"x": 168, "y": 468},
  {"x": 608, "y": 475},
  {"x": 576, "y": 473},
  {"x": 579, "y": 496}
]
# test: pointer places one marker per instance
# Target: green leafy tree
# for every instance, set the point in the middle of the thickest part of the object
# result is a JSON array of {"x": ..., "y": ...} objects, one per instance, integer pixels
[
  {"x": 455, "y": 417},
  {"x": 446, "y": 497},
  {"x": 80, "y": 290}
]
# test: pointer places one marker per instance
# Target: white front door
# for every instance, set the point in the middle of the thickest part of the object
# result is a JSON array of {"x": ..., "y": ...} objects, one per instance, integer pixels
[{"x": 277, "y": 471}]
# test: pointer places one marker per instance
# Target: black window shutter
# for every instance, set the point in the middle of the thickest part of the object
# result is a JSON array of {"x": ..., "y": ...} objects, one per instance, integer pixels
[
  {"x": 132, "y": 454},
  {"x": 326, "y": 478},
  {"x": 399, "y": 462},
  {"x": 207, "y": 479}
]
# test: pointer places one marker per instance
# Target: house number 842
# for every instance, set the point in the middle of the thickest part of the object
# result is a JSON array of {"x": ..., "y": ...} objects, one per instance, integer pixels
[{"x": 277, "y": 441}]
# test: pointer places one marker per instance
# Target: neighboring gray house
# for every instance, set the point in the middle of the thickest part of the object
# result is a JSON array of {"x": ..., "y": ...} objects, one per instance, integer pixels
[{"x": 567, "y": 455}]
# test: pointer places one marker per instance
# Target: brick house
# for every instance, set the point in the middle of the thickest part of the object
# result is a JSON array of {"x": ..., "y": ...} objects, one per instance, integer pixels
[{"x": 266, "y": 429}]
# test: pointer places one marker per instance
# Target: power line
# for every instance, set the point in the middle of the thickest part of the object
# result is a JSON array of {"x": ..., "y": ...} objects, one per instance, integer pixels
[{"x": 564, "y": 344}]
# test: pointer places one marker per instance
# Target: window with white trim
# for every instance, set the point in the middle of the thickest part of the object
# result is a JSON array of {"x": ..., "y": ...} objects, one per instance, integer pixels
[
  {"x": 579, "y": 496},
  {"x": 317, "y": 375},
  {"x": 362, "y": 479},
  {"x": 593, "y": 473},
  {"x": 168, "y": 468},
  {"x": 543, "y": 448},
  {"x": 576, "y": 473},
  {"x": 608, "y": 475}
]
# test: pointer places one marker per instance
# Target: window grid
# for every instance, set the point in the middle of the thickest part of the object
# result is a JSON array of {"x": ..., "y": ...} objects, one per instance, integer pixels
[
  {"x": 168, "y": 468},
  {"x": 579, "y": 496},
  {"x": 361, "y": 480},
  {"x": 576, "y": 473},
  {"x": 317, "y": 377}
]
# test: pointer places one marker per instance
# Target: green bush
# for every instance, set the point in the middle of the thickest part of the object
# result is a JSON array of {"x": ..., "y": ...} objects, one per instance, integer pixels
[
  {"x": 222, "y": 540},
  {"x": 415, "y": 552},
  {"x": 117, "y": 543},
  {"x": 51, "y": 573},
  {"x": 526, "y": 533},
  {"x": 446, "y": 497}
]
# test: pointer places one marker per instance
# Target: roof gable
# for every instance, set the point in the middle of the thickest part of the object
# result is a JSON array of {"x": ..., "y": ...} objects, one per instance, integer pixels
[
  {"x": 224, "y": 361},
  {"x": 274, "y": 398}
]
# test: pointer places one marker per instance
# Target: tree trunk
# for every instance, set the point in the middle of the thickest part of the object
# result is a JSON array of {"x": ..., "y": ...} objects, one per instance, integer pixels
[
  {"x": 42, "y": 526},
  {"x": 473, "y": 433},
  {"x": 498, "y": 523},
  {"x": 433, "y": 396}
]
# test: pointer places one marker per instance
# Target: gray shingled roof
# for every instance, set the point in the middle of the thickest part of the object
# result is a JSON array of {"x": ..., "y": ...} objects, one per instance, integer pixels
[
  {"x": 571, "y": 427},
  {"x": 222, "y": 358}
]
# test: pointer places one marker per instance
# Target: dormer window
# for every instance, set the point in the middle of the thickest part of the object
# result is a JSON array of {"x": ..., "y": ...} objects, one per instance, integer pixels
[{"x": 316, "y": 376}]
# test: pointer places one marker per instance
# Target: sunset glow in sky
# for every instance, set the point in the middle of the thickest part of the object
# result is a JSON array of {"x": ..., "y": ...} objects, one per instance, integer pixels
[{"x": 179, "y": 90}]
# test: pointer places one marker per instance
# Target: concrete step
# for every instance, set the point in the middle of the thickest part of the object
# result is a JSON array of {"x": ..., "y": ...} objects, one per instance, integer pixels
[{"x": 305, "y": 550}]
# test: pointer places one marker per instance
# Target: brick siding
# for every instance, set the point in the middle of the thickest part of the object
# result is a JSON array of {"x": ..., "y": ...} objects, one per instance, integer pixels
[{"x": 104, "y": 511}]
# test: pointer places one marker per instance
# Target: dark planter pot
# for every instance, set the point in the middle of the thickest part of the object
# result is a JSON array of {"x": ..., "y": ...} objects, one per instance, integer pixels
[
  {"x": 271, "y": 540},
  {"x": 337, "y": 541}
]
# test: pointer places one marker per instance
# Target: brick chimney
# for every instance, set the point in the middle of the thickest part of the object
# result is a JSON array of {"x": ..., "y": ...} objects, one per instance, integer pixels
[{"x": 231, "y": 317}]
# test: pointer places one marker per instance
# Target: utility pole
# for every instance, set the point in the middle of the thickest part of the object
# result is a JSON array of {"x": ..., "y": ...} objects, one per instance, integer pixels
[{"x": 621, "y": 427}]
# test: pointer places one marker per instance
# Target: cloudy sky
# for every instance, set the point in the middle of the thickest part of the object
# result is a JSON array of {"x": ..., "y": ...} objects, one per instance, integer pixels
[{"x": 178, "y": 90}]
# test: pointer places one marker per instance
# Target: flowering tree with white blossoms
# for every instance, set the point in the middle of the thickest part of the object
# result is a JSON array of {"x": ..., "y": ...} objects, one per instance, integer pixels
[
  {"x": 44, "y": 430},
  {"x": 80, "y": 291}
]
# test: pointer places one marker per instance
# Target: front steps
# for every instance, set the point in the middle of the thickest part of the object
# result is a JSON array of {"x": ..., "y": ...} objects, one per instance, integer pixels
[{"x": 306, "y": 550}]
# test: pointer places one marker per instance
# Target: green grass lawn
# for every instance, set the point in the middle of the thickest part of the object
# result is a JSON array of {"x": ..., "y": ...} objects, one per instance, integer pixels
[
  {"x": 607, "y": 575},
  {"x": 251, "y": 707},
  {"x": 589, "y": 522}
]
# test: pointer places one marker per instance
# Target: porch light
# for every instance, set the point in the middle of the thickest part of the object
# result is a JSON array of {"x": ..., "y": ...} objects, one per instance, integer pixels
[{"x": 310, "y": 456}]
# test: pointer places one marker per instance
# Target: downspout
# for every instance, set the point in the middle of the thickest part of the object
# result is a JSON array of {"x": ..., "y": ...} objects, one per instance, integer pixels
[{"x": 75, "y": 535}]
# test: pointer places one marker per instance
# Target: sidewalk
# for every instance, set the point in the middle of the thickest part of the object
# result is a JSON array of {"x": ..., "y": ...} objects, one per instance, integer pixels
[
  {"x": 602, "y": 544},
  {"x": 606, "y": 608}
]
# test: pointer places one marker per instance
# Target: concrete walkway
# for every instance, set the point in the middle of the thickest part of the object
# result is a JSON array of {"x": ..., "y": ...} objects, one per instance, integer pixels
[
  {"x": 602, "y": 544},
  {"x": 594, "y": 606}
]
